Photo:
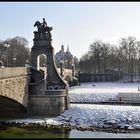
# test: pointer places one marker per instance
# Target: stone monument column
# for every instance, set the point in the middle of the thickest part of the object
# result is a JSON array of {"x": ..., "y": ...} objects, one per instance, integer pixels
[{"x": 49, "y": 94}]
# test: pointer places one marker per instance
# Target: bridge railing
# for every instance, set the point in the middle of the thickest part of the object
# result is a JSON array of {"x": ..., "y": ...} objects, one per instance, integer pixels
[
  {"x": 66, "y": 72},
  {"x": 13, "y": 72}
]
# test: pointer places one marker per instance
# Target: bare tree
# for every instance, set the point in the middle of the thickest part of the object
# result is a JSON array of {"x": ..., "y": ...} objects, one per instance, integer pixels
[
  {"x": 84, "y": 63},
  {"x": 96, "y": 53},
  {"x": 129, "y": 48},
  {"x": 17, "y": 53},
  {"x": 125, "y": 57}
]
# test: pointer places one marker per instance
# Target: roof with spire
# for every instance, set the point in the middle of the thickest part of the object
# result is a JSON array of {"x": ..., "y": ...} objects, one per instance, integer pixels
[
  {"x": 67, "y": 57},
  {"x": 62, "y": 55},
  {"x": 68, "y": 54}
]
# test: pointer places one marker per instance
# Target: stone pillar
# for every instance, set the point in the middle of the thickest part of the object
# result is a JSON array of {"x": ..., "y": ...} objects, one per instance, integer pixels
[{"x": 52, "y": 100}]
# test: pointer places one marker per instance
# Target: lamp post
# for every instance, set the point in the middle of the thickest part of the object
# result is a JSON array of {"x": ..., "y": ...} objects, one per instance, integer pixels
[
  {"x": 73, "y": 69},
  {"x": 45, "y": 75},
  {"x": 27, "y": 63},
  {"x": 1, "y": 64},
  {"x": 61, "y": 67},
  {"x": 7, "y": 45},
  {"x": 14, "y": 61}
]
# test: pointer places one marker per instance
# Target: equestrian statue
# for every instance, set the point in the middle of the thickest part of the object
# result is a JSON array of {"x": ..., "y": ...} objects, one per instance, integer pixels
[{"x": 43, "y": 27}]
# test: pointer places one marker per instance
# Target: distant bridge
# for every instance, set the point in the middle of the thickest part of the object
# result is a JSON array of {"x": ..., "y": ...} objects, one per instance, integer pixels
[{"x": 66, "y": 72}]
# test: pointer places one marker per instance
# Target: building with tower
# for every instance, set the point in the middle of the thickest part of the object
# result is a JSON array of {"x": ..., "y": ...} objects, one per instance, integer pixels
[{"x": 66, "y": 58}]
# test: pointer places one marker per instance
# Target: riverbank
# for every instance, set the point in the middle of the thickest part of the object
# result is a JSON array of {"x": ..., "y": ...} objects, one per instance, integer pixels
[
  {"x": 92, "y": 117},
  {"x": 65, "y": 127},
  {"x": 35, "y": 131}
]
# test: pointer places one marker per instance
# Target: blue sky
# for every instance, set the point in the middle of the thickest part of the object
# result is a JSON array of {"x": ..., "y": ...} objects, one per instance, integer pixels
[{"x": 77, "y": 24}]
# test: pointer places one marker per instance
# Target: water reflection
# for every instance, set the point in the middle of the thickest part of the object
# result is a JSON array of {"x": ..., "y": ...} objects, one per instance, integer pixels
[
  {"x": 40, "y": 132},
  {"x": 32, "y": 132},
  {"x": 99, "y": 134}
]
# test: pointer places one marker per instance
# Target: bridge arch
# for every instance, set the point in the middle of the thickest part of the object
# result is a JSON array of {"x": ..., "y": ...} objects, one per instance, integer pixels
[
  {"x": 10, "y": 108},
  {"x": 52, "y": 74},
  {"x": 41, "y": 61},
  {"x": 37, "y": 55}
]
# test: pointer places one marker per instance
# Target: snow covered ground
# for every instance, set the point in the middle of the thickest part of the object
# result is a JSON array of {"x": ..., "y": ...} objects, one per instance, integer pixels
[
  {"x": 100, "y": 92},
  {"x": 100, "y": 116},
  {"x": 88, "y": 115}
]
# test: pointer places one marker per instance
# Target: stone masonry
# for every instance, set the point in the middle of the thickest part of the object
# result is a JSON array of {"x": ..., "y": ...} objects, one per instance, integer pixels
[{"x": 48, "y": 96}]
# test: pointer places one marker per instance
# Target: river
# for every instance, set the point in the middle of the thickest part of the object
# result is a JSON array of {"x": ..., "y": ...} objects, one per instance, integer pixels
[{"x": 37, "y": 132}]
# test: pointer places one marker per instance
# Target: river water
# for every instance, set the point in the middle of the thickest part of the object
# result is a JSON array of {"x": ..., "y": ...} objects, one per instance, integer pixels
[
  {"x": 37, "y": 132},
  {"x": 98, "y": 134}
]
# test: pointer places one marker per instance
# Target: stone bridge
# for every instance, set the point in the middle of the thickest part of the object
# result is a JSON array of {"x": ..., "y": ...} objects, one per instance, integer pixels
[{"x": 14, "y": 91}]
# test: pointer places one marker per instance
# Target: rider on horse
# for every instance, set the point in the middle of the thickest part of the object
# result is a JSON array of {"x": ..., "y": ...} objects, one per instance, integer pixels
[
  {"x": 44, "y": 23},
  {"x": 42, "y": 27}
]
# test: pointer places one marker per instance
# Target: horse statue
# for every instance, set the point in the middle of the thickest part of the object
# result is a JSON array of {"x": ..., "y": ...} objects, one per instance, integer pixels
[
  {"x": 38, "y": 24},
  {"x": 42, "y": 28}
]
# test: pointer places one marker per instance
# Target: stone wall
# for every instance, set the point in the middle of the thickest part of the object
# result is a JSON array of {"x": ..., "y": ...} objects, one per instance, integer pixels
[
  {"x": 47, "y": 105},
  {"x": 13, "y": 72},
  {"x": 15, "y": 88},
  {"x": 89, "y": 77}
]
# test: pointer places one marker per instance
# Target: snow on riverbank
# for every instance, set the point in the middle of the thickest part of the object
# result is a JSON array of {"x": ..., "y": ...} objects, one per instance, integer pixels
[
  {"x": 88, "y": 115},
  {"x": 100, "y": 92},
  {"x": 99, "y": 116},
  {"x": 99, "y": 113}
]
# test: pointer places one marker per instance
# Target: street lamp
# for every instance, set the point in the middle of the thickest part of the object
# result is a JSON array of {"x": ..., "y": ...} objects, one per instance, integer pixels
[
  {"x": 61, "y": 67},
  {"x": 73, "y": 69},
  {"x": 27, "y": 63},
  {"x": 14, "y": 61},
  {"x": 7, "y": 45},
  {"x": 1, "y": 64},
  {"x": 45, "y": 75}
]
